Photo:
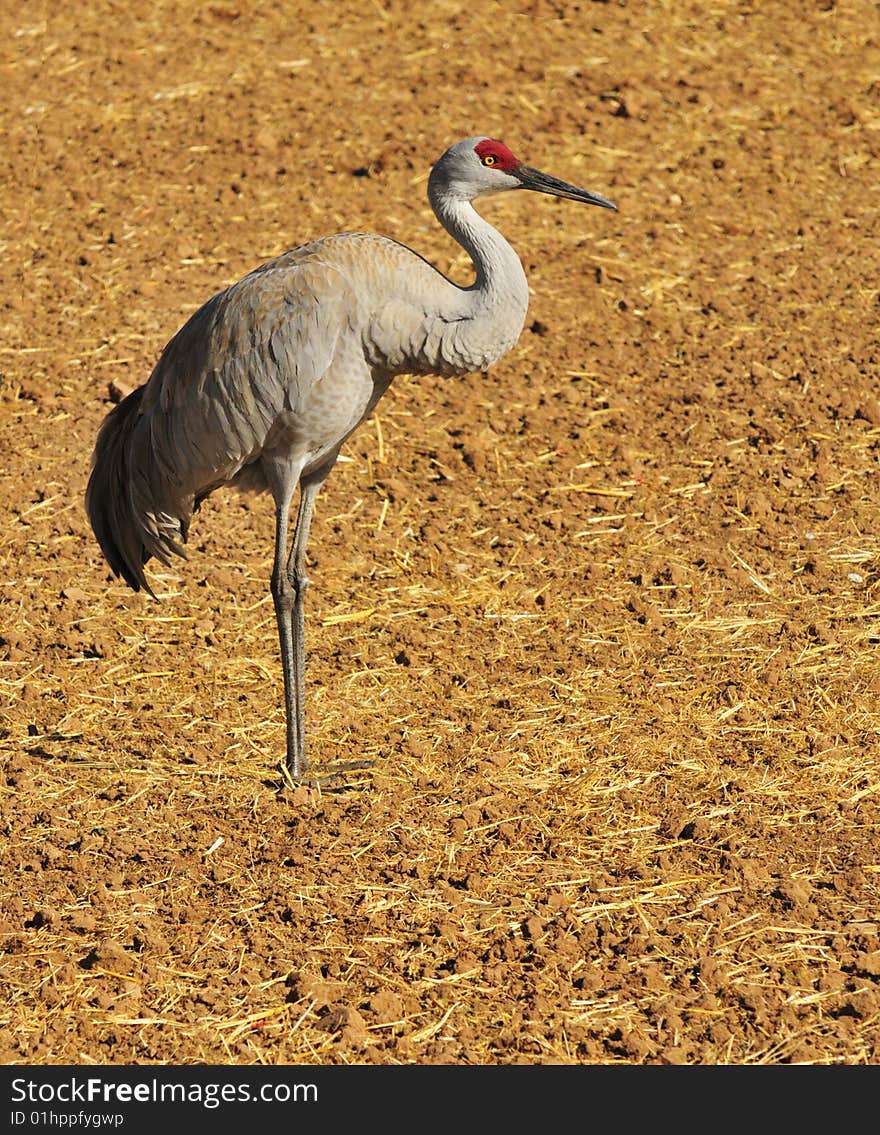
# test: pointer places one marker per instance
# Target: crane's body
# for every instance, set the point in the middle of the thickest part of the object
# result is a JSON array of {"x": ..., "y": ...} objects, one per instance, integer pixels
[{"x": 263, "y": 384}]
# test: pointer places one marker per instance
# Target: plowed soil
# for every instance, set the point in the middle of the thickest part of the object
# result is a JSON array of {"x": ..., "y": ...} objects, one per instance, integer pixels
[{"x": 604, "y": 622}]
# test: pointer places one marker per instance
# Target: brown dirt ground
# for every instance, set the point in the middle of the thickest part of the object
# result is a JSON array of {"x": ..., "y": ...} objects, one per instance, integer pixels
[{"x": 606, "y": 621}]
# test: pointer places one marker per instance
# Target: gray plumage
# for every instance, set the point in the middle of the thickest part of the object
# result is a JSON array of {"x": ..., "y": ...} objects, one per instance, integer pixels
[{"x": 263, "y": 384}]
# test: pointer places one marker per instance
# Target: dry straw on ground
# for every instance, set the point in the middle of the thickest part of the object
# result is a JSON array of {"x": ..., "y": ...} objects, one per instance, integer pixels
[{"x": 604, "y": 621}]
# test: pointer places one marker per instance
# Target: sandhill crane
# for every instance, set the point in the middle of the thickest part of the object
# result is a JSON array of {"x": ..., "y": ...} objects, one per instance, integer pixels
[{"x": 264, "y": 383}]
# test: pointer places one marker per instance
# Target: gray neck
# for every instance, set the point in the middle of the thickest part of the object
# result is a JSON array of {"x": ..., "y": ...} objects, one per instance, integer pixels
[{"x": 500, "y": 282}]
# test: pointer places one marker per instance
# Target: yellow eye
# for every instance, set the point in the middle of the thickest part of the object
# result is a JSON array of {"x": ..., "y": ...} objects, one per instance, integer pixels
[{"x": 489, "y": 160}]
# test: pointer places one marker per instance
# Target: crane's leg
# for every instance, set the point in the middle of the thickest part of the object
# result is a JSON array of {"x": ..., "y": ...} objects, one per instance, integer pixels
[
  {"x": 283, "y": 597},
  {"x": 289, "y": 583},
  {"x": 299, "y": 581}
]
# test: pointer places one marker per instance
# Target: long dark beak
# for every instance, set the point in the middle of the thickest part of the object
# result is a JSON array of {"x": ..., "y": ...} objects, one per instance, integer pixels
[{"x": 543, "y": 183}]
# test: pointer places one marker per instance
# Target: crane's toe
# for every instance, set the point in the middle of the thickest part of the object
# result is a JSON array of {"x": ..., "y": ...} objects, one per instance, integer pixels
[{"x": 323, "y": 779}]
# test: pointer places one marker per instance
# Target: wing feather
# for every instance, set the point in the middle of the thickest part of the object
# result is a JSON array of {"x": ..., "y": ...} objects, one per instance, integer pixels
[{"x": 252, "y": 352}]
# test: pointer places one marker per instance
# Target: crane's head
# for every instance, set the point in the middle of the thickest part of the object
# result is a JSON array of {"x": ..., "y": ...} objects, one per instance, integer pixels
[{"x": 477, "y": 166}]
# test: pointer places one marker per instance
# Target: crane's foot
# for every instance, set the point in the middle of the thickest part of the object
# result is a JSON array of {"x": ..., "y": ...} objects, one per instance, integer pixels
[{"x": 313, "y": 779}]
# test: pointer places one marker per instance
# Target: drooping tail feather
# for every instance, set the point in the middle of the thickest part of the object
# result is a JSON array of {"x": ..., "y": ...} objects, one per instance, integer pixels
[{"x": 128, "y": 538}]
